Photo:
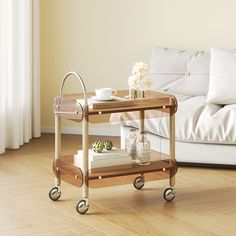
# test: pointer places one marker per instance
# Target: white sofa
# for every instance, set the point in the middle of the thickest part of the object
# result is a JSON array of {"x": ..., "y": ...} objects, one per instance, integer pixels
[{"x": 205, "y": 131}]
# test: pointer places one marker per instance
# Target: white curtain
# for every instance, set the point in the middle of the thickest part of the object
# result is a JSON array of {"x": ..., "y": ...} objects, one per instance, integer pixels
[{"x": 19, "y": 72}]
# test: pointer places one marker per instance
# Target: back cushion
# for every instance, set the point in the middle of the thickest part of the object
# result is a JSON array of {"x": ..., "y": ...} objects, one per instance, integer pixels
[{"x": 180, "y": 71}]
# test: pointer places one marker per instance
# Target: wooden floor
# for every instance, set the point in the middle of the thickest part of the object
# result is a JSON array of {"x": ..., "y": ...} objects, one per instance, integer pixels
[{"x": 205, "y": 203}]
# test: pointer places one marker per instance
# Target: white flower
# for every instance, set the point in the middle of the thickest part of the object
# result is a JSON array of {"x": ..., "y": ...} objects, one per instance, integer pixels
[
  {"x": 146, "y": 83},
  {"x": 133, "y": 81},
  {"x": 139, "y": 78},
  {"x": 140, "y": 68}
]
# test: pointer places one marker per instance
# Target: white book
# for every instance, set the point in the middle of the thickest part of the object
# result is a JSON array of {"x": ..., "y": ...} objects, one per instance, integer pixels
[
  {"x": 78, "y": 161},
  {"x": 105, "y": 154},
  {"x": 119, "y": 161}
]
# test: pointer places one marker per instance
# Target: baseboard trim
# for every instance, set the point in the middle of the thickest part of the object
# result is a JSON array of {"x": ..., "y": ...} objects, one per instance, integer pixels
[{"x": 99, "y": 130}]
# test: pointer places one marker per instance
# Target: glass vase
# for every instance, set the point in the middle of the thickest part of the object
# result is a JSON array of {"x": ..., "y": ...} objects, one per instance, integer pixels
[
  {"x": 135, "y": 93},
  {"x": 143, "y": 155},
  {"x": 130, "y": 143}
]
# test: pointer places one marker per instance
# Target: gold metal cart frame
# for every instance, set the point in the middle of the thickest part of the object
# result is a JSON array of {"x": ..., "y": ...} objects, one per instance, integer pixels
[{"x": 162, "y": 166}]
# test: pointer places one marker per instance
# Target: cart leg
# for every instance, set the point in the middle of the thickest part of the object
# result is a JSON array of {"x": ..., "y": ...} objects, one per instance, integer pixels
[
  {"x": 55, "y": 192},
  {"x": 172, "y": 145},
  {"x": 141, "y": 121},
  {"x": 85, "y": 190},
  {"x": 169, "y": 193},
  {"x": 57, "y": 145},
  {"x": 83, "y": 205}
]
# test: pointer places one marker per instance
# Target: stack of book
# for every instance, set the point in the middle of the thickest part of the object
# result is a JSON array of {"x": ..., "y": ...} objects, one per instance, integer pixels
[{"x": 116, "y": 158}]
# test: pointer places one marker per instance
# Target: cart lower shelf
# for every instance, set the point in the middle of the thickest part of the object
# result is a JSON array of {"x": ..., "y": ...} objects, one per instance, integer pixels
[{"x": 161, "y": 167}]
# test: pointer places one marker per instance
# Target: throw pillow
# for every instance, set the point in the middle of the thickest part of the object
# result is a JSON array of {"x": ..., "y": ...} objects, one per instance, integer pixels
[
  {"x": 180, "y": 71},
  {"x": 222, "y": 84}
]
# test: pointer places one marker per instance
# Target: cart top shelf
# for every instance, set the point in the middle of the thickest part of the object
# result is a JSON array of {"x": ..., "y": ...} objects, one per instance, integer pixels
[
  {"x": 152, "y": 100},
  {"x": 72, "y": 107}
]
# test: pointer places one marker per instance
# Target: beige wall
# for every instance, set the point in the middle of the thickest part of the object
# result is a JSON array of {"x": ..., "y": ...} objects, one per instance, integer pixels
[{"x": 101, "y": 39}]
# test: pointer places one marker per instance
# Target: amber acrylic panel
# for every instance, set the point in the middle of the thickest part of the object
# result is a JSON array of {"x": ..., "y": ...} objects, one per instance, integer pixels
[
  {"x": 66, "y": 171},
  {"x": 161, "y": 167}
]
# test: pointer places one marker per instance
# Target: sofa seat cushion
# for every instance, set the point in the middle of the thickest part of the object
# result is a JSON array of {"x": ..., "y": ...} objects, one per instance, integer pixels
[{"x": 196, "y": 121}]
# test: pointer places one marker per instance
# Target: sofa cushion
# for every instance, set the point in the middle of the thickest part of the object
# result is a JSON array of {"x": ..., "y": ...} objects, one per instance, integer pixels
[
  {"x": 196, "y": 121},
  {"x": 180, "y": 71},
  {"x": 222, "y": 85}
]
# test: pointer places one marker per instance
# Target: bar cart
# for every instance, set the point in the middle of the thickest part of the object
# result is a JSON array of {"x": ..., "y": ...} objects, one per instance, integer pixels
[{"x": 162, "y": 166}]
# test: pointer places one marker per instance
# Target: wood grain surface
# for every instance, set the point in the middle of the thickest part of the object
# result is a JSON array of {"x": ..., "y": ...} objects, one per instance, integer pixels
[{"x": 204, "y": 203}]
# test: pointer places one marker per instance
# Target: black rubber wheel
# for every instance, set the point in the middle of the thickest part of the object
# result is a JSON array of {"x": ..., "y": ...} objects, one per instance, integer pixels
[
  {"x": 54, "y": 194},
  {"x": 139, "y": 182},
  {"x": 81, "y": 207},
  {"x": 169, "y": 194}
]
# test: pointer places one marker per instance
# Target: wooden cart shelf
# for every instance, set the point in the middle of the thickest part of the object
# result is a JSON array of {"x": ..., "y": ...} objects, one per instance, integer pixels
[
  {"x": 71, "y": 173},
  {"x": 71, "y": 107}
]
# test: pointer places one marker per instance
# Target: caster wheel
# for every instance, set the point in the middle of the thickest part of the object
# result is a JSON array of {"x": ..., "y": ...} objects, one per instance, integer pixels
[
  {"x": 138, "y": 182},
  {"x": 169, "y": 194},
  {"x": 54, "y": 194},
  {"x": 81, "y": 207}
]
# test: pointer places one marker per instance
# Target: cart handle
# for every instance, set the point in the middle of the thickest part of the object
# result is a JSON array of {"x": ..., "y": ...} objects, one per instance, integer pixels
[{"x": 81, "y": 82}]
